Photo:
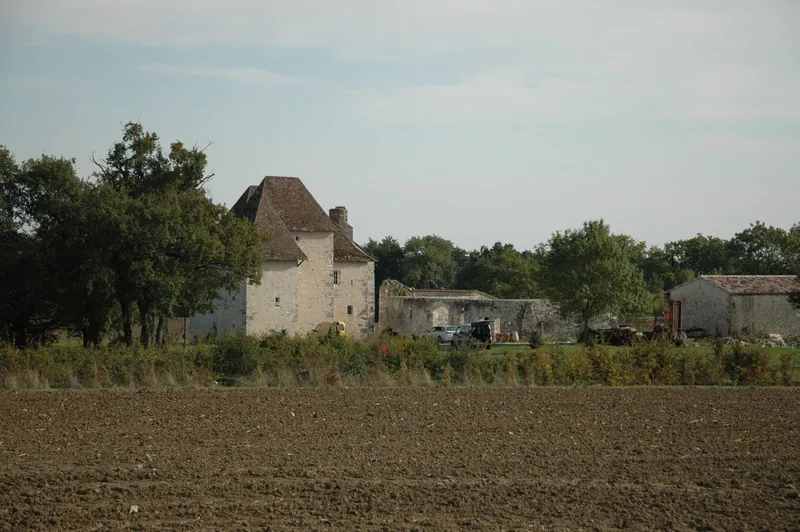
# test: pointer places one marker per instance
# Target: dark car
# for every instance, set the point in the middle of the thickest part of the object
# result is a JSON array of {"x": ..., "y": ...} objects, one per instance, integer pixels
[{"x": 473, "y": 335}]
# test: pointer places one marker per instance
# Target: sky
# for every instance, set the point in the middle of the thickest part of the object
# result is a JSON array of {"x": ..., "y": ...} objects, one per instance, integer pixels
[{"x": 480, "y": 121}]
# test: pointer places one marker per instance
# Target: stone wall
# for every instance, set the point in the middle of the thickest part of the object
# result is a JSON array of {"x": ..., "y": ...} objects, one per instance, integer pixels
[
  {"x": 273, "y": 305},
  {"x": 705, "y": 306},
  {"x": 355, "y": 289},
  {"x": 764, "y": 314},
  {"x": 415, "y": 315},
  {"x": 316, "y": 279},
  {"x": 228, "y": 316}
]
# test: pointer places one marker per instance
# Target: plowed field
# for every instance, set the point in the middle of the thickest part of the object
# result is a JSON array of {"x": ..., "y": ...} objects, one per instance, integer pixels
[{"x": 599, "y": 458}]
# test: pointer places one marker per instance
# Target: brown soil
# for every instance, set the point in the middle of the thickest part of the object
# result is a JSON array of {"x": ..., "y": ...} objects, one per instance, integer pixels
[{"x": 646, "y": 458}]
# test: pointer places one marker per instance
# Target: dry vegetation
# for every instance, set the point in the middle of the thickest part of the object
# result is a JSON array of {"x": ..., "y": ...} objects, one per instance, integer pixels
[{"x": 282, "y": 361}]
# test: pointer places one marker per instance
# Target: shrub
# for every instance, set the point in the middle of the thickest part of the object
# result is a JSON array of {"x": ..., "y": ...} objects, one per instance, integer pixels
[
  {"x": 602, "y": 364},
  {"x": 786, "y": 369},
  {"x": 236, "y": 354},
  {"x": 746, "y": 365},
  {"x": 535, "y": 340}
]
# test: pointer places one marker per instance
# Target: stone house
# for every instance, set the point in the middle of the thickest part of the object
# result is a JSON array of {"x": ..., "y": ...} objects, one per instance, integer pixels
[
  {"x": 312, "y": 270},
  {"x": 727, "y": 304}
]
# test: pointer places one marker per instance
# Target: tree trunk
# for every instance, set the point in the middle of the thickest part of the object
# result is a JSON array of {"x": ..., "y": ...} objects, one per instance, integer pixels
[
  {"x": 161, "y": 330},
  {"x": 146, "y": 319},
  {"x": 125, "y": 303},
  {"x": 21, "y": 334},
  {"x": 586, "y": 330},
  {"x": 127, "y": 321}
]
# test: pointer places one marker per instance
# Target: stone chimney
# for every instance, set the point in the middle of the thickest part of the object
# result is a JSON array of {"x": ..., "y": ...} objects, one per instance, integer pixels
[{"x": 339, "y": 217}]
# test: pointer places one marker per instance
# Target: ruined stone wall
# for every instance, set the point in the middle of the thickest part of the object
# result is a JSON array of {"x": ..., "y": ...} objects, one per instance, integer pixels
[
  {"x": 415, "y": 315},
  {"x": 356, "y": 289},
  {"x": 764, "y": 314}
]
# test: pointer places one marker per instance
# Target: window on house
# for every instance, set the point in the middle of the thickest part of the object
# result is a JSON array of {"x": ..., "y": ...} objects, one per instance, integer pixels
[
  {"x": 411, "y": 314},
  {"x": 351, "y": 282},
  {"x": 233, "y": 325},
  {"x": 234, "y": 297},
  {"x": 277, "y": 302},
  {"x": 349, "y": 310},
  {"x": 297, "y": 238},
  {"x": 336, "y": 276}
]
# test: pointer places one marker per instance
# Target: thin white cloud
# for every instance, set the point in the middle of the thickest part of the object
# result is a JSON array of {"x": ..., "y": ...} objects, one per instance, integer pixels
[
  {"x": 255, "y": 76},
  {"x": 751, "y": 145}
]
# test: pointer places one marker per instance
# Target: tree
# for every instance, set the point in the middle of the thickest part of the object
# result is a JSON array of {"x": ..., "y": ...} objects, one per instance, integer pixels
[
  {"x": 388, "y": 255},
  {"x": 763, "y": 250},
  {"x": 501, "y": 271},
  {"x": 703, "y": 255},
  {"x": 589, "y": 272},
  {"x": 165, "y": 242},
  {"x": 429, "y": 262}
]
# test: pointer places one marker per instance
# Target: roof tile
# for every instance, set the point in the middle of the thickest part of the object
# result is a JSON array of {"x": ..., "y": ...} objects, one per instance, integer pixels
[{"x": 755, "y": 284}]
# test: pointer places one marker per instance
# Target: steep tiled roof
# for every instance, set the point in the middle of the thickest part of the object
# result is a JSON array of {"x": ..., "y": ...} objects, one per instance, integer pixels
[
  {"x": 298, "y": 208},
  {"x": 755, "y": 284},
  {"x": 283, "y": 204},
  {"x": 257, "y": 207}
]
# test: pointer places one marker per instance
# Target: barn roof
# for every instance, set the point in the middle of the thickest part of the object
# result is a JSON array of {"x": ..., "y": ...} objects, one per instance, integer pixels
[
  {"x": 755, "y": 284},
  {"x": 280, "y": 205}
]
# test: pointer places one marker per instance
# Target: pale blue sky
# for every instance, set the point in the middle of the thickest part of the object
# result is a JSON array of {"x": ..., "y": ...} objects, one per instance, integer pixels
[{"x": 480, "y": 121}]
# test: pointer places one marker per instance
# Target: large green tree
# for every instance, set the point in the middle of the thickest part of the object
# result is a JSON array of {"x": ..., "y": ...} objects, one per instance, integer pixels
[
  {"x": 41, "y": 199},
  {"x": 763, "y": 250},
  {"x": 501, "y": 271},
  {"x": 430, "y": 262},
  {"x": 165, "y": 241},
  {"x": 589, "y": 272}
]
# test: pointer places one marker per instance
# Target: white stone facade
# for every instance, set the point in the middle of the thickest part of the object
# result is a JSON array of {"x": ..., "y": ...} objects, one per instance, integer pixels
[
  {"x": 272, "y": 305},
  {"x": 354, "y": 295},
  {"x": 316, "y": 279},
  {"x": 705, "y": 306}
]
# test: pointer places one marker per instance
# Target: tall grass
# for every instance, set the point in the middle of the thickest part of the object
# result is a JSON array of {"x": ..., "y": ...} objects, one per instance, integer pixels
[{"x": 279, "y": 360}]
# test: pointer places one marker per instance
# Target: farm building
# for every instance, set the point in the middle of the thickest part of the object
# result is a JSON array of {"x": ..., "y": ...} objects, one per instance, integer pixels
[
  {"x": 312, "y": 270},
  {"x": 414, "y": 311},
  {"x": 727, "y": 304}
]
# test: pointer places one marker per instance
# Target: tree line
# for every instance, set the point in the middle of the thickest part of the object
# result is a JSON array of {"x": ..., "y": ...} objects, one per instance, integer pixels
[
  {"x": 137, "y": 241},
  {"x": 589, "y": 270}
]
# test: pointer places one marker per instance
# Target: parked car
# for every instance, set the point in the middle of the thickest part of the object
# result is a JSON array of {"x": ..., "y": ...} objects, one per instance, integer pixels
[
  {"x": 441, "y": 334},
  {"x": 473, "y": 335}
]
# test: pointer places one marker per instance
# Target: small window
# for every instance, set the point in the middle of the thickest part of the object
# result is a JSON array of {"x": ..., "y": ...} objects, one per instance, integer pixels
[
  {"x": 233, "y": 325},
  {"x": 351, "y": 282},
  {"x": 349, "y": 310},
  {"x": 336, "y": 276},
  {"x": 297, "y": 238},
  {"x": 411, "y": 314},
  {"x": 234, "y": 297},
  {"x": 277, "y": 302}
]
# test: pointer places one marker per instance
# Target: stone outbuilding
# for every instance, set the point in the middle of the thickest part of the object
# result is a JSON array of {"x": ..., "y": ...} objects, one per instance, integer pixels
[
  {"x": 312, "y": 270},
  {"x": 414, "y": 311},
  {"x": 749, "y": 304}
]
